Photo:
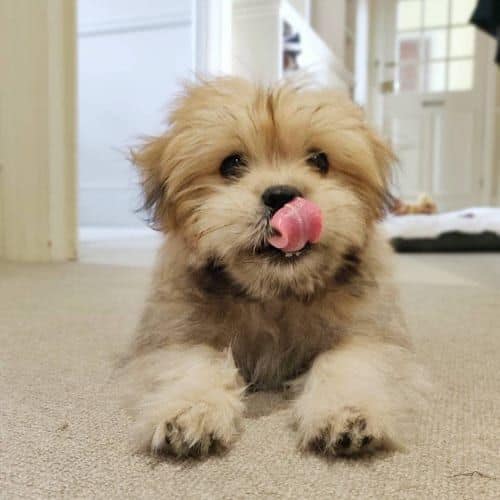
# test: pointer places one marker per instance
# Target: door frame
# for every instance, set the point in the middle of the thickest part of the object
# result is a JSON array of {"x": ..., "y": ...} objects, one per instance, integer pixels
[
  {"x": 38, "y": 194},
  {"x": 490, "y": 123},
  {"x": 485, "y": 57},
  {"x": 212, "y": 34}
]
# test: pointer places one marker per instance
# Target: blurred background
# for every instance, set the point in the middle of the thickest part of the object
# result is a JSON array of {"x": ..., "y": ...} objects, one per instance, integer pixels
[{"x": 85, "y": 79}]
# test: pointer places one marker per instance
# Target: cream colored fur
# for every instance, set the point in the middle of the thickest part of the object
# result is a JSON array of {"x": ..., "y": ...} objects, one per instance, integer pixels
[{"x": 224, "y": 317}]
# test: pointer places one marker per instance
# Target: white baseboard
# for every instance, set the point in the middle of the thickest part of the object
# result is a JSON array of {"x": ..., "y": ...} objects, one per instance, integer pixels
[{"x": 99, "y": 234}]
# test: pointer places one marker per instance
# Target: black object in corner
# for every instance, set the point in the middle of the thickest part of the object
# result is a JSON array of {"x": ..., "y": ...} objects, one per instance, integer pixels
[{"x": 486, "y": 16}]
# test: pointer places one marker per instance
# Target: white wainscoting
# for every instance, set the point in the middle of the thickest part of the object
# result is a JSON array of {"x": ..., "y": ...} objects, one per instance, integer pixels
[{"x": 132, "y": 58}]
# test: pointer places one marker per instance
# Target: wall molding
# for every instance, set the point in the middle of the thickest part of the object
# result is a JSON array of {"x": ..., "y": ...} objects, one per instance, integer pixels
[{"x": 175, "y": 18}]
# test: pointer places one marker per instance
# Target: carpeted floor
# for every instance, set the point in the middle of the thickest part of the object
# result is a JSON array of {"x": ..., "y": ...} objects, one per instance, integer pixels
[{"x": 61, "y": 434}]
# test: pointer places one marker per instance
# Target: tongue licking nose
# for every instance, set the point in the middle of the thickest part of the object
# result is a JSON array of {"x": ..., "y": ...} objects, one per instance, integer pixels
[{"x": 297, "y": 223}]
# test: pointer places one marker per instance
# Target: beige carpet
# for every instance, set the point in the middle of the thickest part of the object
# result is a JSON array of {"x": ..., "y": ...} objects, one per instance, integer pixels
[{"x": 62, "y": 436}]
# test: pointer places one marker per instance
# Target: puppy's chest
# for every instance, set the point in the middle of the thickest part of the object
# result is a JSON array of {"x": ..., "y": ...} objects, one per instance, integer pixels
[{"x": 277, "y": 342}]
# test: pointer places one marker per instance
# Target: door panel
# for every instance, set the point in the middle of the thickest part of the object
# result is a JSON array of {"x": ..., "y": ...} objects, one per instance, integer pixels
[
  {"x": 438, "y": 180},
  {"x": 431, "y": 92},
  {"x": 455, "y": 174},
  {"x": 406, "y": 137}
]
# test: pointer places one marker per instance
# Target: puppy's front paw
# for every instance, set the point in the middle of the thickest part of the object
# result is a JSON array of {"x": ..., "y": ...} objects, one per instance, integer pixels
[
  {"x": 347, "y": 432},
  {"x": 196, "y": 431}
]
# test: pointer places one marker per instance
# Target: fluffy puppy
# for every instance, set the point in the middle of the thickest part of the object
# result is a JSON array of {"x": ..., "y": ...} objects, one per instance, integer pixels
[{"x": 273, "y": 272}]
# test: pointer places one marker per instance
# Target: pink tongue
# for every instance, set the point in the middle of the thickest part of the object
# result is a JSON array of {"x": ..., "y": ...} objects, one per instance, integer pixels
[{"x": 297, "y": 223}]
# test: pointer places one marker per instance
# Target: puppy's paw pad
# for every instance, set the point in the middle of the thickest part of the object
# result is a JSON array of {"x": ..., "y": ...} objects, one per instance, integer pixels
[
  {"x": 347, "y": 433},
  {"x": 196, "y": 432},
  {"x": 171, "y": 439}
]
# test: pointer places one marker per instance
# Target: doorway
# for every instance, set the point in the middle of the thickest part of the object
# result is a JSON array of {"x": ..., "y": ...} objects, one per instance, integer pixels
[{"x": 431, "y": 91}]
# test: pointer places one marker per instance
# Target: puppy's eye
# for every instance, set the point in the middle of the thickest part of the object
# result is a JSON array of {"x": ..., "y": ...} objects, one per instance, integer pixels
[
  {"x": 233, "y": 165},
  {"x": 319, "y": 160}
]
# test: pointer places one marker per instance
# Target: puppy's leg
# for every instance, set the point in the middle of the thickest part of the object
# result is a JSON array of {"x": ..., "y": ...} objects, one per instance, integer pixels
[
  {"x": 185, "y": 400},
  {"x": 356, "y": 397}
]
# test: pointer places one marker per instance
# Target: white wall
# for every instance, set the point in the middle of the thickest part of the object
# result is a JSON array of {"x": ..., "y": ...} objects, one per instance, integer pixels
[
  {"x": 132, "y": 56},
  {"x": 328, "y": 18}
]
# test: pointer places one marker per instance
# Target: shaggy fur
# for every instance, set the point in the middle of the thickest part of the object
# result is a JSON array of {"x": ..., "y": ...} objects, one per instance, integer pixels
[{"x": 226, "y": 315}]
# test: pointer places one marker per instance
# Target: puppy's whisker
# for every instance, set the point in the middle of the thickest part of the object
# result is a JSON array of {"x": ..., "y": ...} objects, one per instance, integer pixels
[
  {"x": 230, "y": 209},
  {"x": 211, "y": 230}
]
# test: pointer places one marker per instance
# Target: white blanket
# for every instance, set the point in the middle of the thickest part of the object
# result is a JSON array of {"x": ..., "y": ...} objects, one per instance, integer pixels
[{"x": 473, "y": 220}]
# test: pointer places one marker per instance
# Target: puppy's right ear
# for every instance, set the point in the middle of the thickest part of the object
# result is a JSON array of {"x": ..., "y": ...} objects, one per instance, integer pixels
[{"x": 149, "y": 159}]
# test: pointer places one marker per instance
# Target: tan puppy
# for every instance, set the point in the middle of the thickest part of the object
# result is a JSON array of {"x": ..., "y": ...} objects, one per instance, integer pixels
[{"x": 234, "y": 306}]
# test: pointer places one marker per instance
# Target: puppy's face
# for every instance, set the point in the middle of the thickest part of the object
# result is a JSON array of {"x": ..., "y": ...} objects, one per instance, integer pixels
[{"x": 235, "y": 153}]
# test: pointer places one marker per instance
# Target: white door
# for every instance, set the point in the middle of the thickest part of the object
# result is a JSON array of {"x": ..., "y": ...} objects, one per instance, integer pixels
[{"x": 431, "y": 77}]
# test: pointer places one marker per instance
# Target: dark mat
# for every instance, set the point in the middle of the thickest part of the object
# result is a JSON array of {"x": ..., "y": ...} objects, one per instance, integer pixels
[{"x": 453, "y": 241}]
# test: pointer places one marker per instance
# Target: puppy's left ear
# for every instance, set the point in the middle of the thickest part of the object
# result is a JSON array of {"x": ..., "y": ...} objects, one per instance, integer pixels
[
  {"x": 385, "y": 160},
  {"x": 149, "y": 159}
]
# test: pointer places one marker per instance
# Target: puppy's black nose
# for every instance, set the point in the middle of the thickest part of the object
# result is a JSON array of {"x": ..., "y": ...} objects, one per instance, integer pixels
[{"x": 275, "y": 197}]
